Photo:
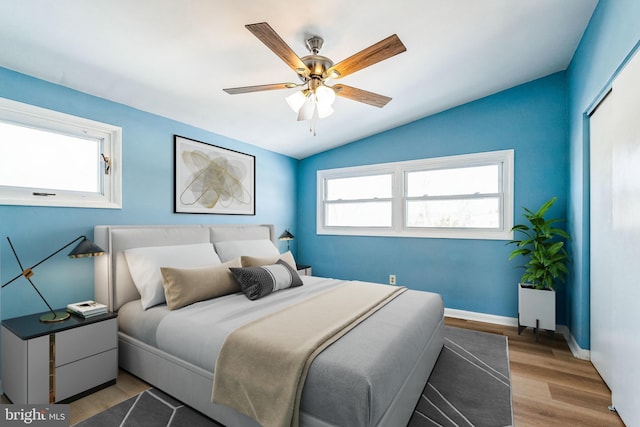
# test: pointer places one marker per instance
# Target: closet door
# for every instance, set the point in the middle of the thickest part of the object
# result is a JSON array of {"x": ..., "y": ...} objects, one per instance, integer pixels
[
  {"x": 615, "y": 277},
  {"x": 602, "y": 126},
  {"x": 626, "y": 235}
]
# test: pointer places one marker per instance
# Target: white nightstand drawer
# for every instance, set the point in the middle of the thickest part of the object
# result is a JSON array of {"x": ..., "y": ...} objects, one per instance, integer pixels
[
  {"x": 78, "y": 343},
  {"x": 49, "y": 362},
  {"x": 76, "y": 377}
]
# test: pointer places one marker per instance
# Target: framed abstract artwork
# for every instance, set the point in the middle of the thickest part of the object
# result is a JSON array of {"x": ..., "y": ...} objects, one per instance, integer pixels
[{"x": 213, "y": 180}]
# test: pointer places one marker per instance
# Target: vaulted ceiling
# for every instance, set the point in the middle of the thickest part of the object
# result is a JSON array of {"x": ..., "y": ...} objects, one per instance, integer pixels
[{"x": 173, "y": 58}]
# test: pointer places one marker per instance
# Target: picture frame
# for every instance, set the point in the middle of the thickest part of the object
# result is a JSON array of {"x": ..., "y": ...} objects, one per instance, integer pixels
[{"x": 212, "y": 180}]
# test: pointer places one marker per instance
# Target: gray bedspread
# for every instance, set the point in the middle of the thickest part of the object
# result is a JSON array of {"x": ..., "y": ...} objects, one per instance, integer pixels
[{"x": 349, "y": 383}]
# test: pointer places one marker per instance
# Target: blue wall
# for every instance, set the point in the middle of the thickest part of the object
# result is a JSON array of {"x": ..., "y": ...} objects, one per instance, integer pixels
[
  {"x": 472, "y": 275},
  {"x": 147, "y": 195},
  {"x": 611, "y": 36},
  {"x": 542, "y": 120}
]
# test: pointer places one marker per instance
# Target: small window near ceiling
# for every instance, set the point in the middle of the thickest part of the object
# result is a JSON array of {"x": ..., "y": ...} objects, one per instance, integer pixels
[
  {"x": 467, "y": 196},
  {"x": 52, "y": 159}
]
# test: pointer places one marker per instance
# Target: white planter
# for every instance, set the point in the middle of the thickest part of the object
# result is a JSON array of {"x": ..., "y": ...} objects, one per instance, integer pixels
[{"x": 537, "y": 304}]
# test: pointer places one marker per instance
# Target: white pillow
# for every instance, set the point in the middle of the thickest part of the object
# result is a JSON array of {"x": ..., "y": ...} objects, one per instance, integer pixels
[
  {"x": 144, "y": 265},
  {"x": 233, "y": 249}
]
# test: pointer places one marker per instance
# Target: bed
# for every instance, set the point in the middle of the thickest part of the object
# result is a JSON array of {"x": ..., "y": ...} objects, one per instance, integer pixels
[{"x": 371, "y": 376}]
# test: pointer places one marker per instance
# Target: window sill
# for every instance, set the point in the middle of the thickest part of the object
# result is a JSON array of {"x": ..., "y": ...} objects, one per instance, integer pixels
[{"x": 474, "y": 234}]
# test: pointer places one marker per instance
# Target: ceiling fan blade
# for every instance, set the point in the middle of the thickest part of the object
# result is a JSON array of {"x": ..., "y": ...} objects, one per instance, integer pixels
[
  {"x": 380, "y": 51},
  {"x": 269, "y": 37},
  {"x": 361, "y": 95},
  {"x": 259, "y": 88}
]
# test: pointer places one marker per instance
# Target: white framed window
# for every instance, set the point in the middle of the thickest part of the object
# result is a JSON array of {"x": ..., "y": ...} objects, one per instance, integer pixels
[
  {"x": 359, "y": 201},
  {"x": 466, "y": 196},
  {"x": 48, "y": 158}
]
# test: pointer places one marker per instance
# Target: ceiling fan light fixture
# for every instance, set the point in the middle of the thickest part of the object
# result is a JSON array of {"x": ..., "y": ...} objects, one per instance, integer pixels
[
  {"x": 308, "y": 108},
  {"x": 296, "y": 100},
  {"x": 324, "y": 110},
  {"x": 325, "y": 95}
]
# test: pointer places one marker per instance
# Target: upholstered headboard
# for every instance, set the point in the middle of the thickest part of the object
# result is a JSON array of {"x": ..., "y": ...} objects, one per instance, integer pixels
[{"x": 113, "y": 283}]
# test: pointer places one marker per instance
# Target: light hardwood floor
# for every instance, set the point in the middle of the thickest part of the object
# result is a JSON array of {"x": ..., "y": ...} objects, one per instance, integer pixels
[{"x": 549, "y": 386}]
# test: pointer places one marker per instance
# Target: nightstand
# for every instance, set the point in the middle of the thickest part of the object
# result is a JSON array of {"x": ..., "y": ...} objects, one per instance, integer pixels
[
  {"x": 56, "y": 362},
  {"x": 303, "y": 270}
]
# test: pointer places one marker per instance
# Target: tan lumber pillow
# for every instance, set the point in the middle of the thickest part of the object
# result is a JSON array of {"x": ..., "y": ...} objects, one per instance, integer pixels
[{"x": 184, "y": 286}]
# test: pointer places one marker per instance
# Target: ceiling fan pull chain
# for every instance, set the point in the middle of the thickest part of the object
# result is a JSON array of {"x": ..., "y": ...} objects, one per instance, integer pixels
[{"x": 314, "y": 118}]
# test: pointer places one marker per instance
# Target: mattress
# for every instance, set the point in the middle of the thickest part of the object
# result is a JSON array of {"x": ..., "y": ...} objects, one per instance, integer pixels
[{"x": 352, "y": 382}]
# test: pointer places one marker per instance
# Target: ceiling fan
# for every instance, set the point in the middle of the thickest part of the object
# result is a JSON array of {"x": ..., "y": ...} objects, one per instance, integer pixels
[{"x": 316, "y": 97}]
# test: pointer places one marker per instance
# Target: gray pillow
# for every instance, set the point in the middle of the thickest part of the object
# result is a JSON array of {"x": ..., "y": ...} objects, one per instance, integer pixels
[{"x": 257, "y": 282}]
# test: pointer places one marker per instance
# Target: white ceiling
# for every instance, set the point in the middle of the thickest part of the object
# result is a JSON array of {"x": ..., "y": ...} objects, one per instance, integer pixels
[{"x": 173, "y": 58}]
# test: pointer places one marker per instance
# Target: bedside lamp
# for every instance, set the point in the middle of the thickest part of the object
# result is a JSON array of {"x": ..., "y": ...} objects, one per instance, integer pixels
[
  {"x": 85, "y": 248},
  {"x": 286, "y": 235}
]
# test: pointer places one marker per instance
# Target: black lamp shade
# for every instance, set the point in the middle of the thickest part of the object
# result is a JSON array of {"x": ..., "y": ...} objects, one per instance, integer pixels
[
  {"x": 86, "y": 248},
  {"x": 286, "y": 235}
]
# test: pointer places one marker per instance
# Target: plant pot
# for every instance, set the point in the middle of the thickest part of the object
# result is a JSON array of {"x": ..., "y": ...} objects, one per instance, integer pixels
[{"x": 536, "y": 307}]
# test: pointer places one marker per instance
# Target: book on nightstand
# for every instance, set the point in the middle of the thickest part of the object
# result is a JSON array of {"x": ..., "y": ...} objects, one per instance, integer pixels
[{"x": 87, "y": 308}]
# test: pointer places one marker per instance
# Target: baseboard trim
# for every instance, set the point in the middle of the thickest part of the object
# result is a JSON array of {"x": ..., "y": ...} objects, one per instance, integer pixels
[
  {"x": 576, "y": 350},
  {"x": 481, "y": 317}
]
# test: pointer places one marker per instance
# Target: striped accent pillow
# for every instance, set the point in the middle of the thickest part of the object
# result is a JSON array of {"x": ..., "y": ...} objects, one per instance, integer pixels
[{"x": 257, "y": 282}]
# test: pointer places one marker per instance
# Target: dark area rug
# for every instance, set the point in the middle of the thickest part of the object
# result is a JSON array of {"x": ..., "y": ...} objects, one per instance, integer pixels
[
  {"x": 470, "y": 386},
  {"x": 151, "y": 408}
]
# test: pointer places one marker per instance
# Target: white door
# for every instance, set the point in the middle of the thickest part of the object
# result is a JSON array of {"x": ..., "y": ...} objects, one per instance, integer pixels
[
  {"x": 601, "y": 126},
  {"x": 615, "y": 228}
]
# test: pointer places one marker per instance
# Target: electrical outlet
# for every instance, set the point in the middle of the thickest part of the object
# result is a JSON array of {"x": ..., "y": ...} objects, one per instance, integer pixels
[{"x": 392, "y": 279}]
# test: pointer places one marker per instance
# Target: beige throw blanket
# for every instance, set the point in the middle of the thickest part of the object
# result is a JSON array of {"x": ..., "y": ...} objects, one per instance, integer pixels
[{"x": 262, "y": 366}]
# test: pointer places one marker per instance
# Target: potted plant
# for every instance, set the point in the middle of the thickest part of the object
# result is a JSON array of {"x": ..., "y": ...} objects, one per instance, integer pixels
[{"x": 542, "y": 244}]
